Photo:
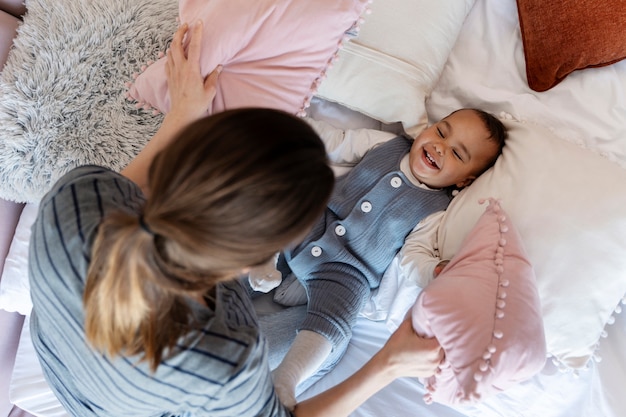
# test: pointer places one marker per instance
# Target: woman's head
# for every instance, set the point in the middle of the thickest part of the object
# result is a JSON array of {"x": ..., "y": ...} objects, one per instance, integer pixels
[
  {"x": 236, "y": 188},
  {"x": 227, "y": 194}
]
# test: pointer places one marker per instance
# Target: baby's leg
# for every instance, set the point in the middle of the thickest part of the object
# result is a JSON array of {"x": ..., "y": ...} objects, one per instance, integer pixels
[
  {"x": 334, "y": 302},
  {"x": 307, "y": 354},
  {"x": 280, "y": 327}
]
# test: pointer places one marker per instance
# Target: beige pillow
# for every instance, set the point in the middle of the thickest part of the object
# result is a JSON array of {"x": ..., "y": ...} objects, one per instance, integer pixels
[
  {"x": 569, "y": 205},
  {"x": 390, "y": 68}
]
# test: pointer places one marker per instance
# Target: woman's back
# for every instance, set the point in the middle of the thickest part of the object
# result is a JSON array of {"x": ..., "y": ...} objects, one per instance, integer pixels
[{"x": 220, "y": 369}]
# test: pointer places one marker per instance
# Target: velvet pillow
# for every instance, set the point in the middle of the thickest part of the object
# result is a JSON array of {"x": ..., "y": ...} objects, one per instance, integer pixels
[
  {"x": 273, "y": 51},
  {"x": 561, "y": 37},
  {"x": 484, "y": 310}
]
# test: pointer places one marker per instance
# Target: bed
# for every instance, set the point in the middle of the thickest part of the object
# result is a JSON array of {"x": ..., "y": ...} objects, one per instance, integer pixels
[{"x": 562, "y": 179}]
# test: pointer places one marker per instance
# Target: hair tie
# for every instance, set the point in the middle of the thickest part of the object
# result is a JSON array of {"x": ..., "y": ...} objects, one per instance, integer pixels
[{"x": 144, "y": 226}]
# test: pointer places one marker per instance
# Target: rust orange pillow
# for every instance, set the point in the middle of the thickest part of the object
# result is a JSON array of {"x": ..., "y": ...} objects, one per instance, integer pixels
[{"x": 561, "y": 37}]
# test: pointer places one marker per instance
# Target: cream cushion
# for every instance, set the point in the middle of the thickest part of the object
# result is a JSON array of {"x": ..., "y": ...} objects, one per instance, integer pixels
[{"x": 395, "y": 61}]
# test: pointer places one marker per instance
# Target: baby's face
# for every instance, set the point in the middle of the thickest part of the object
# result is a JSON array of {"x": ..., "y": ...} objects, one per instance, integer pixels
[{"x": 453, "y": 151}]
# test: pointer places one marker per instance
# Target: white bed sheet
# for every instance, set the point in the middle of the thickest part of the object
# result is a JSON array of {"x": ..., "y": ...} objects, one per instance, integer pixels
[
  {"x": 597, "y": 392},
  {"x": 485, "y": 69}
]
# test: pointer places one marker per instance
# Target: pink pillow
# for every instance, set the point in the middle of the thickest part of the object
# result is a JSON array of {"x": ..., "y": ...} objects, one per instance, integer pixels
[
  {"x": 274, "y": 52},
  {"x": 484, "y": 310}
]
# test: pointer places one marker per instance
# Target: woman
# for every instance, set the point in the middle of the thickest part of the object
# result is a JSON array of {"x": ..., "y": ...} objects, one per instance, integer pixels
[{"x": 137, "y": 307}]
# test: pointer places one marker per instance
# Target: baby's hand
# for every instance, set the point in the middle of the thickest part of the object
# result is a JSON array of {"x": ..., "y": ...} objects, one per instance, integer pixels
[
  {"x": 264, "y": 281},
  {"x": 265, "y": 277},
  {"x": 440, "y": 267}
]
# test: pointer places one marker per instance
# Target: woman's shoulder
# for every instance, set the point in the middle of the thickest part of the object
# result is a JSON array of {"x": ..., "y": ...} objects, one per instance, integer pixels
[
  {"x": 82, "y": 176},
  {"x": 82, "y": 171},
  {"x": 93, "y": 186},
  {"x": 69, "y": 214}
]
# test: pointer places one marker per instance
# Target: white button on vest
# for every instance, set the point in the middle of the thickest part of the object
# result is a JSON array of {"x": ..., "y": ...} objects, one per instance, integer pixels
[
  {"x": 366, "y": 206},
  {"x": 316, "y": 251},
  {"x": 396, "y": 182},
  {"x": 340, "y": 230}
]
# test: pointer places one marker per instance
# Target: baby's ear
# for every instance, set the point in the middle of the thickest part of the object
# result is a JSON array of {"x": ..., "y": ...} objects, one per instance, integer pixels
[{"x": 467, "y": 181}]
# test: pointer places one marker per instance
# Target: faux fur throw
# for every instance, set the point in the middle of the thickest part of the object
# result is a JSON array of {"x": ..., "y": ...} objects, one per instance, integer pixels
[{"x": 62, "y": 90}]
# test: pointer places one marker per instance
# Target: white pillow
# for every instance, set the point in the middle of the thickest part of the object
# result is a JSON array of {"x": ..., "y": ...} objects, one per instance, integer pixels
[
  {"x": 569, "y": 205},
  {"x": 391, "y": 67},
  {"x": 14, "y": 286}
]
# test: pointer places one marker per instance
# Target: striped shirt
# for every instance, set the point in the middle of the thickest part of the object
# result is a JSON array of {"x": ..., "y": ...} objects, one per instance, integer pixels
[{"x": 219, "y": 370}]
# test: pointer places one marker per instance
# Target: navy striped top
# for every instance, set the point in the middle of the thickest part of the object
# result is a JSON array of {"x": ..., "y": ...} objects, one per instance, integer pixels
[{"x": 219, "y": 370}]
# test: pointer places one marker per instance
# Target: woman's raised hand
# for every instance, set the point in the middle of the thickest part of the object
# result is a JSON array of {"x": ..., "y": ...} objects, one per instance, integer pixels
[
  {"x": 404, "y": 354},
  {"x": 191, "y": 94},
  {"x": 191, "y": 98}
]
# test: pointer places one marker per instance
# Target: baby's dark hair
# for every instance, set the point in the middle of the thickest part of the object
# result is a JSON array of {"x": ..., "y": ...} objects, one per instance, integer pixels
[{"x": 497, "y": 130}]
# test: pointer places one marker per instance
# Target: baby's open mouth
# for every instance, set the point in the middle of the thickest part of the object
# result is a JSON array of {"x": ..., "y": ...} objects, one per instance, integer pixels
[{"x": 430, "y": 160}]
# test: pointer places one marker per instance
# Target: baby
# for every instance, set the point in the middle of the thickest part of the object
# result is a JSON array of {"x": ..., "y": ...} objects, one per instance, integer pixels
[{"x": 393, "y": 186}]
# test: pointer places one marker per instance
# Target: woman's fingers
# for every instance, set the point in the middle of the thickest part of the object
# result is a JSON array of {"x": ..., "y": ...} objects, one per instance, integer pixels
[
  {"x": 210, "y": 86},
  {"x": 195, "y": 44},
  {"x": 176, "y": 50},
  {"x": 190, "y": 92},
  {"x": 412, "y": 355},
  {"x": 210, "y": 81}
]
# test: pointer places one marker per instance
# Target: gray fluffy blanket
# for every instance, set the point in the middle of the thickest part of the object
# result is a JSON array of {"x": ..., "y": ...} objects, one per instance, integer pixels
[{"x": 62, "y": 100}]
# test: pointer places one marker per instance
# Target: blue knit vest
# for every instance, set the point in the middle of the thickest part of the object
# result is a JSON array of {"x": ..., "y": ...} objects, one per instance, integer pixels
[{"x": 370, "y": 213}]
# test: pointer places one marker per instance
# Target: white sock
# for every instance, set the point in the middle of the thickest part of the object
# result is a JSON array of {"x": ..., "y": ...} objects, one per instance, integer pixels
[
  {"x": 307, "y": 353},
  {"x": 266, "y": 277}
]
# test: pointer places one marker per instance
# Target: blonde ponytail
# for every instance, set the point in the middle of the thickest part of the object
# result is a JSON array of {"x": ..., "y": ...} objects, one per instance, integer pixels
[{"x": 128, "y": 309}]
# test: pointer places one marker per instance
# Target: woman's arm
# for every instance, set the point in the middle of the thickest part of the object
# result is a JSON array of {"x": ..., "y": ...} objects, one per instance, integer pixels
[
  {"x": 191, "y": 96},
  {"x": 404, "y": 355}
]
